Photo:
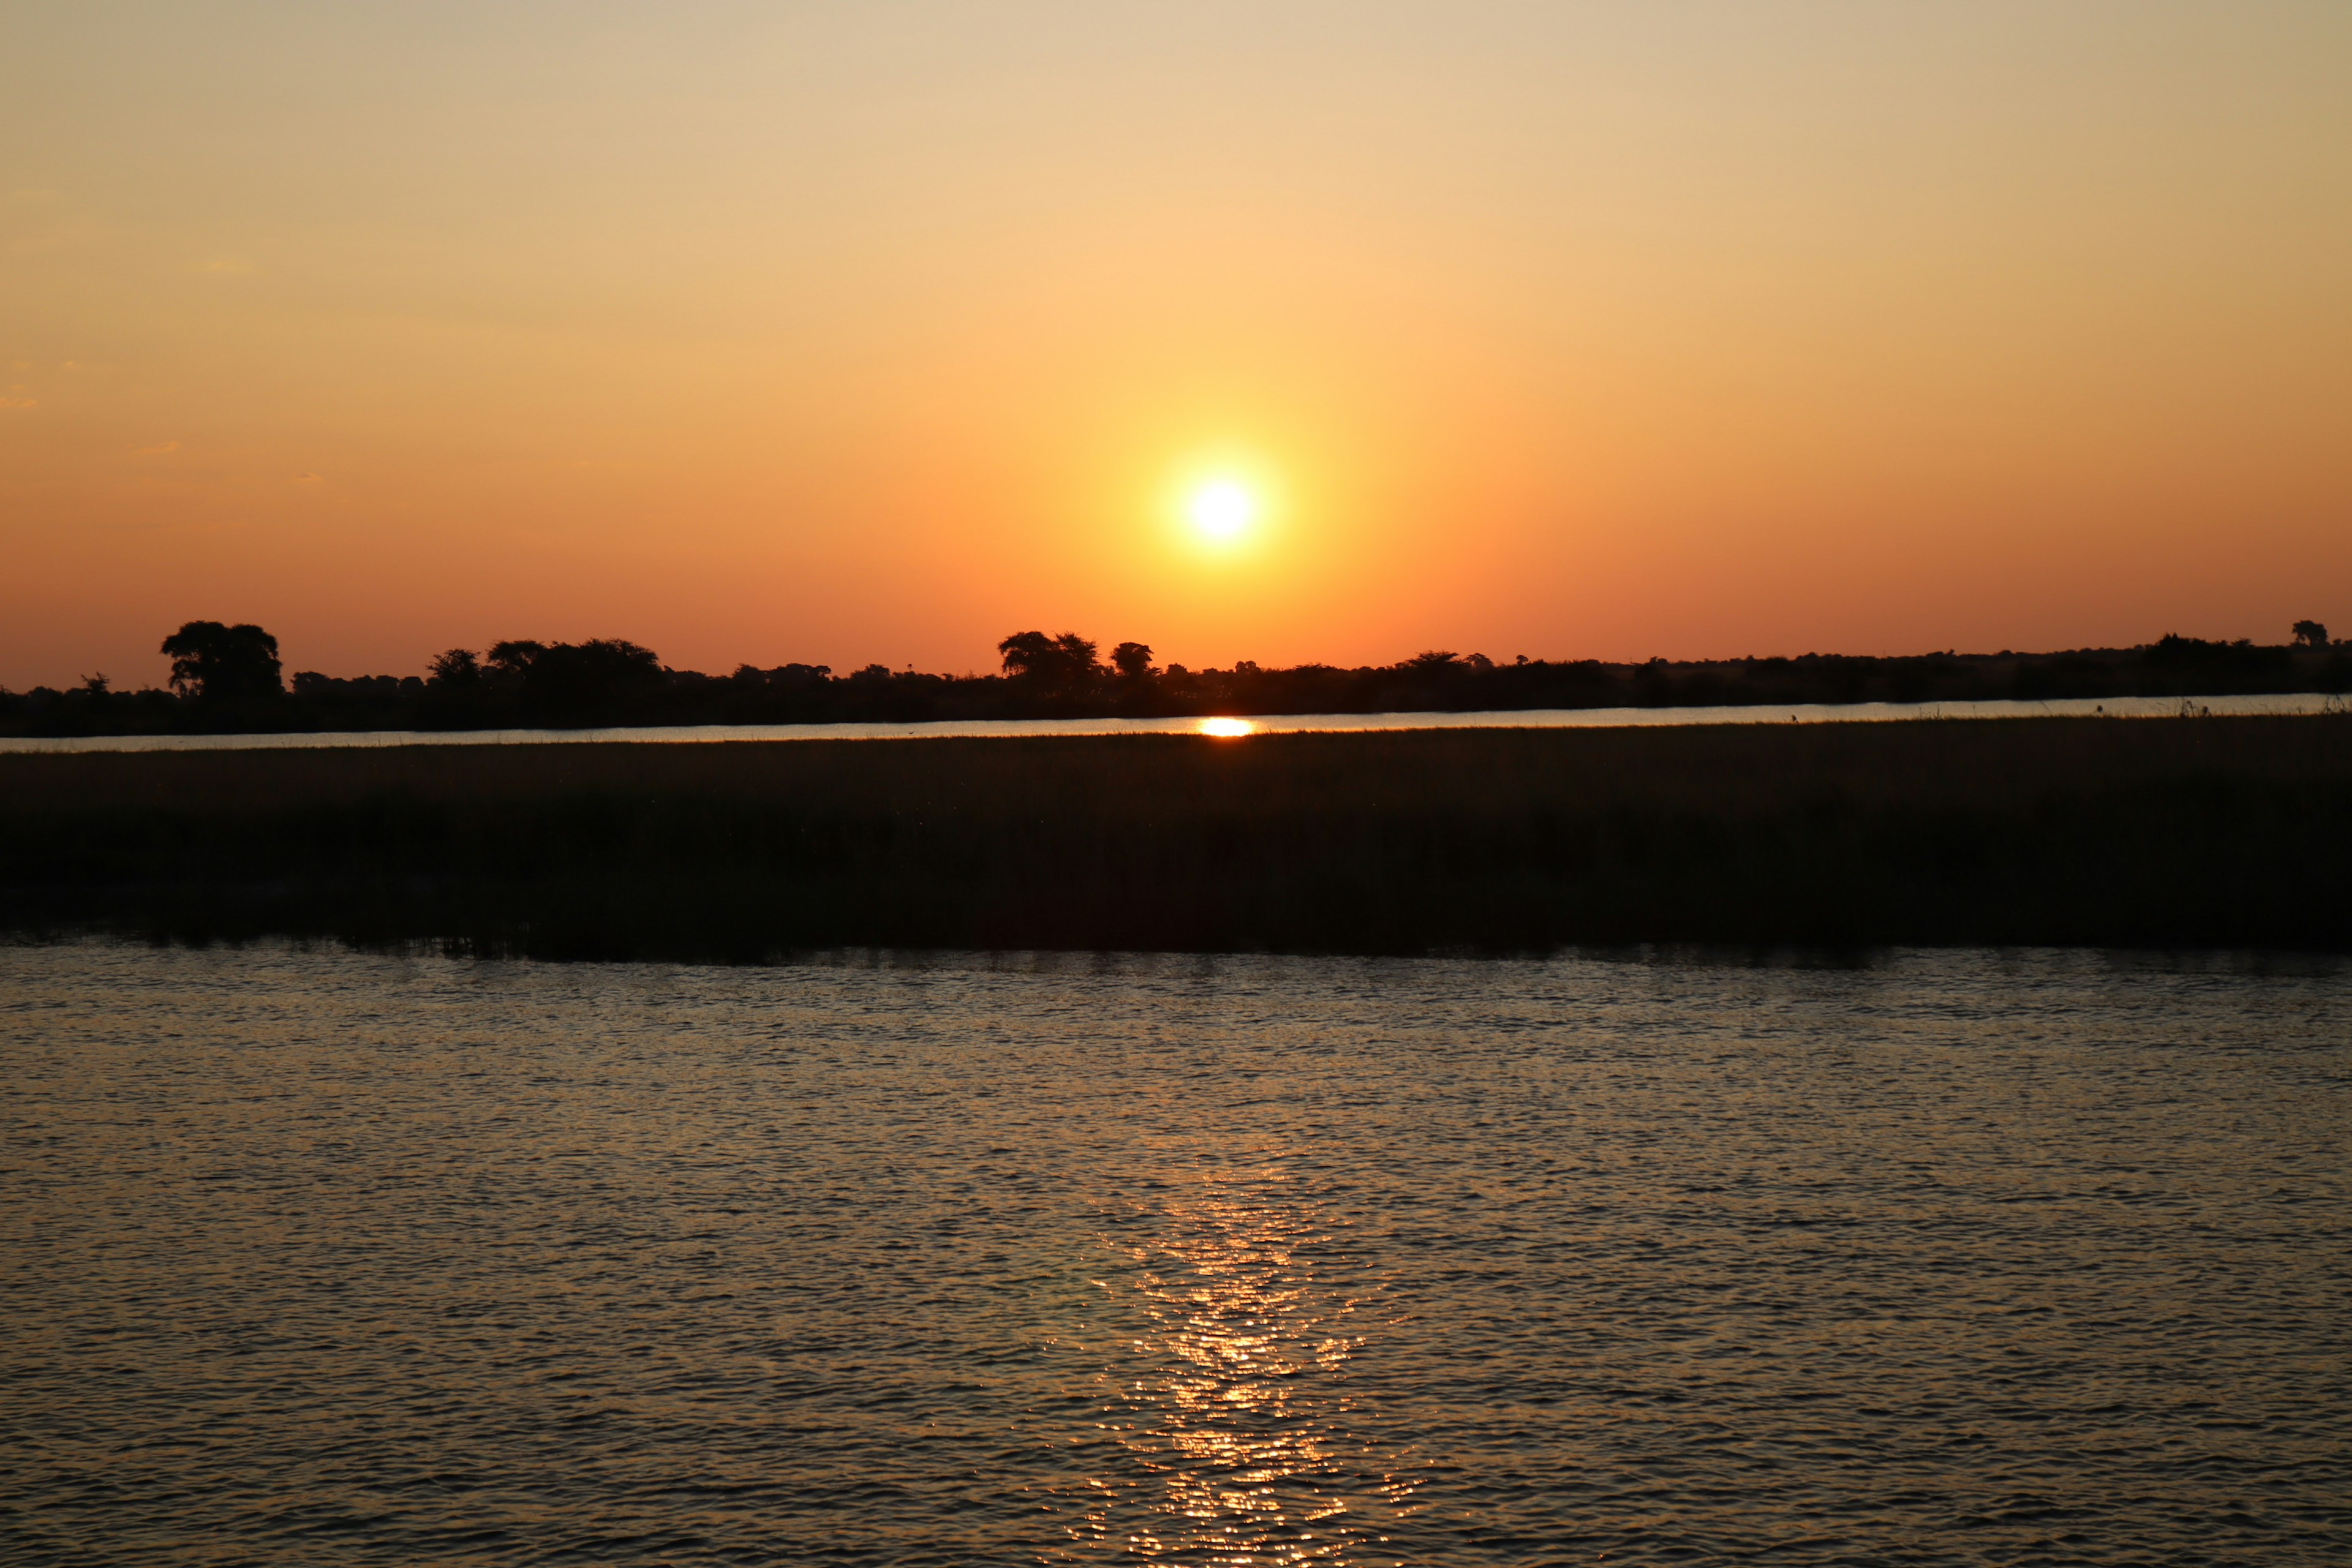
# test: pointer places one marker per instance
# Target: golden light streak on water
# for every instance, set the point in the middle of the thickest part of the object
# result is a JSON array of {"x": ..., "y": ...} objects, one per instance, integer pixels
[{"x": 1232, "y": 1407}]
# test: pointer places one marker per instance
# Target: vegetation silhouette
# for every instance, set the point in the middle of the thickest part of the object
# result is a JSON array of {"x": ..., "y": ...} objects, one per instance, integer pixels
[
  {"x": 1065, "y": 663},
  {"x": 2225, "y": 832},
  {"x": 219, "y": 664},
  {"x": 460, "y": 669},
  {"x": 576, "y": 683},
  {"x": 226, "y": 677}
]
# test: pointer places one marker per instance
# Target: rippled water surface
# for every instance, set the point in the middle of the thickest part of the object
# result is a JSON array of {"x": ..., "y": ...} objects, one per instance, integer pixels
[{"x": 321, "y": 1258}]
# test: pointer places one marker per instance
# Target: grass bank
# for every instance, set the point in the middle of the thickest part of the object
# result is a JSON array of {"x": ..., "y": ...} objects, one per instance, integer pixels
[{"x": 2216, "y": 832}]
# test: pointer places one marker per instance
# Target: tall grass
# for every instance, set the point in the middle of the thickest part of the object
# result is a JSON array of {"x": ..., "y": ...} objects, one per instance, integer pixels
[{"x": 2210, "y": 832}]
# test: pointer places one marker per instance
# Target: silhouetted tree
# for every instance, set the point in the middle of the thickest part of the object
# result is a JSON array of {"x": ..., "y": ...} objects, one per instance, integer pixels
[
  {"x": 224, "y": 664},
  {"x": 1131, "y": 659},
  {"x": 459, "y": 666},
  {"x": 1026, "y": 652},
  {"x": 576, "y": 678},
  {"x": 2311, "y": 634},
  {"x": 514, "y": 659},
  {"x": 1058, "y": 661}
]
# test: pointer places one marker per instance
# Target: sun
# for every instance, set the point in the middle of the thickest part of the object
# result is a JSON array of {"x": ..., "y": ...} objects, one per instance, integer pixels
[{"x": 1222, "y": 510}]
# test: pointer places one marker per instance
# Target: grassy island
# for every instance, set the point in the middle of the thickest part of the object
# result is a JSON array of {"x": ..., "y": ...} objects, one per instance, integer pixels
[{"x": 2212, "y": 832}]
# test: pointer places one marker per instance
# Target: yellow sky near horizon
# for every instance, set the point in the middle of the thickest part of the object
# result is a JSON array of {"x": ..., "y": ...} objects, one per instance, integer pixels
[{"x": 841, "y": 333}]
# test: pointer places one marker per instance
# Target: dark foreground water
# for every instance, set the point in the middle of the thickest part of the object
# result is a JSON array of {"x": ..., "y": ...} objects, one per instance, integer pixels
[{"x": 1961, "y": 1257}]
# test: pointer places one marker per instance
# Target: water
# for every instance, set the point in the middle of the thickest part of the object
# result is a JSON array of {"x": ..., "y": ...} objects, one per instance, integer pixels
[
  {"x": 1962, "y": 1258},
  {"x": 1258, "y": 724}
]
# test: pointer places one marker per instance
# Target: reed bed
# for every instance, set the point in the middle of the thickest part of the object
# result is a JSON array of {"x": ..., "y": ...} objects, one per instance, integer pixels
[{"x": 2215, "y": 832}]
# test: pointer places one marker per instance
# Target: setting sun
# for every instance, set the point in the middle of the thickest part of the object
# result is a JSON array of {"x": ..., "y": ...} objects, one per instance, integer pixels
[{"x": 1222, "y": 510}]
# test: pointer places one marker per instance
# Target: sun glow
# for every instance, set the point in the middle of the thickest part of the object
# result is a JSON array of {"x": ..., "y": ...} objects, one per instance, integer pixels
[
  {"x": 1222, "y": 510},
  {"x": 1227, "y": 729}
]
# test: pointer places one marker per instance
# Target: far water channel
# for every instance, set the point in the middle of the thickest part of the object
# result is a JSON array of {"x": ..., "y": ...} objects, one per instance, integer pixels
[
  {"x": 1950, "y": 1257},
  {"x": 1223, "y": 726}
]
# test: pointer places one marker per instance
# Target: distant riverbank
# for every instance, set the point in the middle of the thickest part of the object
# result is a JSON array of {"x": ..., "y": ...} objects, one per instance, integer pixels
[
  {"x": 1231, "y": 727},
  {"x": 2227, "y": 831},
  {"x": 615, "y": 685}
]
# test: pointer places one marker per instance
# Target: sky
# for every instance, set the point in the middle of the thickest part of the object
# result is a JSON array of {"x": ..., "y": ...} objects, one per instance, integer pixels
[{"x": 873, "y": 332}]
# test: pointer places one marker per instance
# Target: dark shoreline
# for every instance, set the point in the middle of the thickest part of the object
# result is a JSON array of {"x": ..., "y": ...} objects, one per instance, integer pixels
[
  {"x": 647, "y": 695},
  {"x": 2214, "y": 833}
]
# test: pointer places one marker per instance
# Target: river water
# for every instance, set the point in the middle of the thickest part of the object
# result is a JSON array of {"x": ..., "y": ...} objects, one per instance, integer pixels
[
  {"x": 1949, "y": 1257},
  {"x": 1228, "y": 726}
]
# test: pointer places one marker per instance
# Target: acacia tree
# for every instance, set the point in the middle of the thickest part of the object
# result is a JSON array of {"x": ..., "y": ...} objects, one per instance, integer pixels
[
  {"x": 1061, "y": 661},
  {"x": 514, "y": 657},
  {"x": 564, "y": 680},
  {"x": 2311, "y": 634},
  {"x": 216, "y": 663},
  {"x": 459, "y": 666},
  {"x": 1131, "y": 659}
]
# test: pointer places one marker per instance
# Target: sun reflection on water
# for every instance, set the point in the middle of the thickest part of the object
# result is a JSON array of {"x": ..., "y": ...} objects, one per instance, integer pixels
[
  {"x": 1227, "y": 729},
  {"x": 1230, "y": 1413}
]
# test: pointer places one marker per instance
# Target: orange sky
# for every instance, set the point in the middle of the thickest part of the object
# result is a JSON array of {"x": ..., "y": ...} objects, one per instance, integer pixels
[{"x": 843, "y": 333}]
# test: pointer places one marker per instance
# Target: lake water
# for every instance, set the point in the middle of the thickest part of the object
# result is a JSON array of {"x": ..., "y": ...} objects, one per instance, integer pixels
[
  {"x": 1955, "y": 1257},
  {"x": 1254, "y": 724}
]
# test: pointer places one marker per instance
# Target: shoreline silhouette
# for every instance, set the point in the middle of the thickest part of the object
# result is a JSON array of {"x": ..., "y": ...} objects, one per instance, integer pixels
[{"x": 228, "y": 680}]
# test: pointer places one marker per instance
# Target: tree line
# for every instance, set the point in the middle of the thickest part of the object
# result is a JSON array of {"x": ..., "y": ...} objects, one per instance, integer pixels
[{"x": 231, "y": 678}]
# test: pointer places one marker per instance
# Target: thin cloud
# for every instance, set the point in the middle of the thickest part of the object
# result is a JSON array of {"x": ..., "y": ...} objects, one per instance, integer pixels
[{"x": 155, "y": 451}]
